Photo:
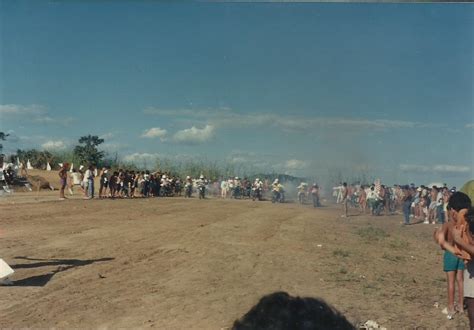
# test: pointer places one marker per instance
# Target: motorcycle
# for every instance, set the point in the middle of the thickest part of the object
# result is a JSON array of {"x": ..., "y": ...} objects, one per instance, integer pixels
[
  {"x": 202, "y": 191},
  {"x": 302, "y": 197},
  {"x": 256, "y": 194},
  {"x": 188, "y": 190},
  {"x": 278, "y": 196},
  {"x": 237, "y": 192},
  {"x": 316, "y": 202},
  {"x": 247, "y": 192}
]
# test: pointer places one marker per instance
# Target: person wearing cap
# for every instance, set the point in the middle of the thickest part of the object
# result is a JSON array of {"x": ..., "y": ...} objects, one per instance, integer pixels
[{"x": 63, "y": 180}]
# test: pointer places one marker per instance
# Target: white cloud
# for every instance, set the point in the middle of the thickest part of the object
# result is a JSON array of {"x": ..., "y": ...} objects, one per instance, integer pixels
[
  {"x": 17, "y": 109},
  {"x": 50, "y": 120},
  {"x": 195, "y": 113},
  {"x": 238, "y": 159},
  {"x": 112, "y": 147},
  {"x": 107, "y": 136},
  {"x": 35, "y": 113},
  {"x": 194, "y": 135},
  {"x": 142, "y": 158},
  {"x": 154, "y": 132},
  {"x": 53, "y": 145},
  {"x": 414, "y": 168},
  {"x": 435, "y": 168},
  {"x": 471, "y": 125},
  {"x": 451, "y": 168},
  {"x": 295, "y": 164},
  {"x": 225, "y": 117}
]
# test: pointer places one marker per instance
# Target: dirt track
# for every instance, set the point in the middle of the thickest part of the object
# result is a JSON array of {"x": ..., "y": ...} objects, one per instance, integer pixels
[{"x": 180, "y": 264}]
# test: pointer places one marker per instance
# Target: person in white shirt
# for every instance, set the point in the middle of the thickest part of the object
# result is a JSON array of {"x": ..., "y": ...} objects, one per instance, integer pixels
[
  {"x": 76, "y": 179},
  {"x": 89, "y": 177},
  {"x": 224, "y": 188}
]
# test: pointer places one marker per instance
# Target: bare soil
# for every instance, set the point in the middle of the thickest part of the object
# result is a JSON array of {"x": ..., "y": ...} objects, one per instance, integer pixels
[{"x": 175, "y": 263}]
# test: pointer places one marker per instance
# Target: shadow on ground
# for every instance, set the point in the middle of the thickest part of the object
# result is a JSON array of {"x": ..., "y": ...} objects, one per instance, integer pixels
[{"x": 42, "y": 280}]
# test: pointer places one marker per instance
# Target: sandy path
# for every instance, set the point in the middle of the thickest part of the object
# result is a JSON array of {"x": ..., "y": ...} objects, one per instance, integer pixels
[{"x": 175, "y": 263}]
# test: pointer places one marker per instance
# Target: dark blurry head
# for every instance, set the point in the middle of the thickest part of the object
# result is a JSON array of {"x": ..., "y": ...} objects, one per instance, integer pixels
[
  {"x": 280, "y": 311},
  {"x": 459, "y": 201}
]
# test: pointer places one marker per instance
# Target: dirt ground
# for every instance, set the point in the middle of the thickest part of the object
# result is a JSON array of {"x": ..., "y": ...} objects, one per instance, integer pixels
[{"x": 175, "y": 263}]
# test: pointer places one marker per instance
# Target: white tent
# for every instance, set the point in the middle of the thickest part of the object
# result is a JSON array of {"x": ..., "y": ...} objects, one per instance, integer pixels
[
  {"x": 48, "y": 167},
  {"x": 5, "y": 271},
  {"x": 28, "y": 165}
]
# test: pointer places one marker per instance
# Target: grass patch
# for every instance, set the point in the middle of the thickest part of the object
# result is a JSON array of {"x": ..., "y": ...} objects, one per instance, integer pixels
[
  {"x": 369, "y": 288},
  {"x": 371, "y": 234},
  {"x": 342, "y": 270},
  {"x": 398, "y": 243},
  {"x": 340, "y": 253},
  {"x": 392, "y": 258}
]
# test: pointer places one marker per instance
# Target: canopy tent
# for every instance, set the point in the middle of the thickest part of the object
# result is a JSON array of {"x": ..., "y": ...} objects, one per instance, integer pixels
[{"x": 468, "y": 189}]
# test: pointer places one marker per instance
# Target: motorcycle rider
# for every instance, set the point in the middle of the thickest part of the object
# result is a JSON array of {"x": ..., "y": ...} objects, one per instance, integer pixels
[
  {"x": 302, "y": 192},
  {"x": 237, "y": 187},
  {"x": 201, "y": 185},
  {"x": 257, "y": 189},
  {"x": 188, "y": 187},
  {"x": 277, "y": 191},
  {"x": 315, "y": 195},
  {"x": 247, "y": 185}
]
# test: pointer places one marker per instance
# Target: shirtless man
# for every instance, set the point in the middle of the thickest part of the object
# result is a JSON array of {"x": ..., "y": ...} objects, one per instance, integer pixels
[
  {"x": 445, "y": 236},
  {"x": 452, "y": 265},
  {"x": 63, "y": 180}
]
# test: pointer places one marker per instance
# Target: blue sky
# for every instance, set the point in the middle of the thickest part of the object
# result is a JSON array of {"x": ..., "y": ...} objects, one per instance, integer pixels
[{"x": 302, "y": 88}]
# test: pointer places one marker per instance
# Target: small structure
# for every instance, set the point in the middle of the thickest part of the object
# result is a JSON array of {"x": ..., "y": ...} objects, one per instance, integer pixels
[{"x": 5, "y": 272}]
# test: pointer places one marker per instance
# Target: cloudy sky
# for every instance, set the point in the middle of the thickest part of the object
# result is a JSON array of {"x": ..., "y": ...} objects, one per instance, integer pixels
[{"x": 306, "y": 88}]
